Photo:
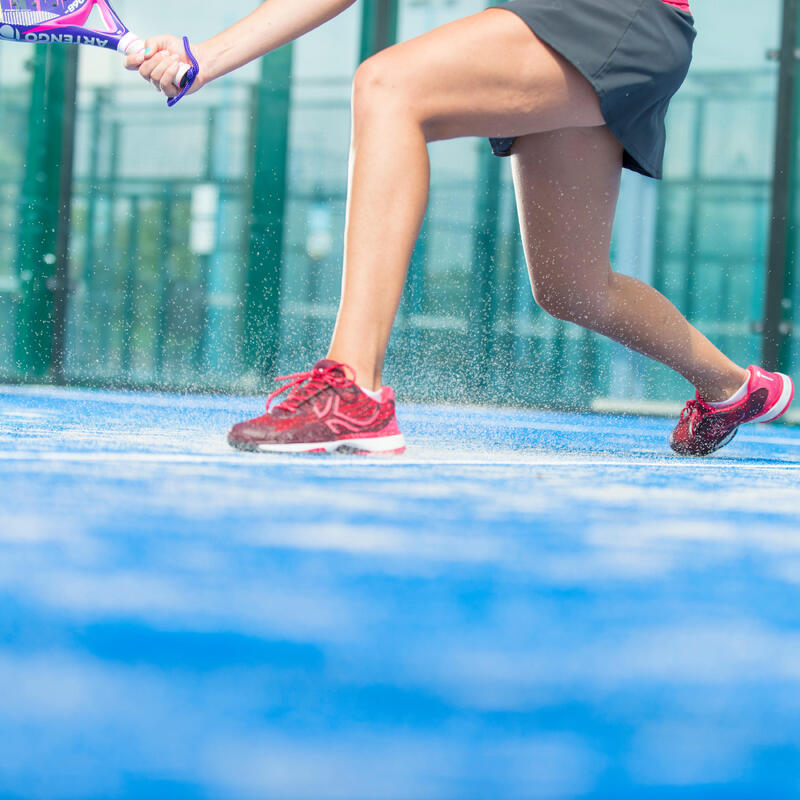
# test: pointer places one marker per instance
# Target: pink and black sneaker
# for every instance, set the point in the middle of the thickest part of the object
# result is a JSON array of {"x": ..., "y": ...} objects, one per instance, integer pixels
[
  {"x": 325, "y": 412},
  {"x": 702, "y": 428}
]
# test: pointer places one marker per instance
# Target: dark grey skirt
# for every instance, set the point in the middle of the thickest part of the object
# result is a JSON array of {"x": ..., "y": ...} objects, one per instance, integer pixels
[{"x": 635, "y": 53}]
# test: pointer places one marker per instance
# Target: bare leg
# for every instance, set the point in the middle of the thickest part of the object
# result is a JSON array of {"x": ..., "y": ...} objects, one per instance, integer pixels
[
  {"x": 488, "y": 75},
  {"x": 567, "y": 184},
  {"x": 485, "y": 75}
]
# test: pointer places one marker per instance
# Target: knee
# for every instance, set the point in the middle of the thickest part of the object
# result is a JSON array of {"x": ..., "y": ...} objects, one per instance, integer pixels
[
  {"x": 376, "y": 89},
  {"x": 573, "y": 303},
  {"x": 556, "y": 301},
  {"x": 383, "y": 90}
]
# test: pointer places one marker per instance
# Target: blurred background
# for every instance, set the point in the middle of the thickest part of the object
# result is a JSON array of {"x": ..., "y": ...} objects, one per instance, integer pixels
[
  {"x": 533, "y": 605},
  {"x": 200, "y": 248}
]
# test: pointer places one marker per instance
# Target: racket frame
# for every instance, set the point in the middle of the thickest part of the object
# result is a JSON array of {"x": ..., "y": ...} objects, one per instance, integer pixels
[{"x": 69, "y": 28}]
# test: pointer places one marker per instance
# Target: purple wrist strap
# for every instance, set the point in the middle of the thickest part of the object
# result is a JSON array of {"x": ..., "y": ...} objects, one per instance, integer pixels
[{"x": 190, "y": 77}]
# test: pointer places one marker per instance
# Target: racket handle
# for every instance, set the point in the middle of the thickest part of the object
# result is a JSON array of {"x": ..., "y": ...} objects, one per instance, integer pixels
[
  {"x": 180, "y": 78},
  {"x": 130, "y": 43}
]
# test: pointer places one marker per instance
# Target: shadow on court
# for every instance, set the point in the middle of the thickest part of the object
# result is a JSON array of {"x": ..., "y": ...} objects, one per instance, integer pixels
[{"x": 526, "y": 605}]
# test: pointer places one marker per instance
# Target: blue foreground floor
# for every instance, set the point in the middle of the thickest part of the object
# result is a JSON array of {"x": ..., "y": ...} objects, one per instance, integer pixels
[{"x": 526, "y": 605}]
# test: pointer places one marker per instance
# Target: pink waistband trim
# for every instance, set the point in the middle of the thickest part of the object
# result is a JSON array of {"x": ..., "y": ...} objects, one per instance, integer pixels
[{"x": 683, "y": 5}]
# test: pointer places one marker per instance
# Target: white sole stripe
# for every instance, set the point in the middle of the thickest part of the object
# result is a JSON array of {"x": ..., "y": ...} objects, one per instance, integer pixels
[{"x": 380, "y": 444}]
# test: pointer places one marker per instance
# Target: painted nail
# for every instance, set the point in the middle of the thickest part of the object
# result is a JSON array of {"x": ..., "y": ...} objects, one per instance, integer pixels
[{"x": 148, "y": 51}]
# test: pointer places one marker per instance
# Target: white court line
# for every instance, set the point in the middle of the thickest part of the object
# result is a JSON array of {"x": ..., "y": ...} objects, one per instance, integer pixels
[{"x": 266, "y": 460}]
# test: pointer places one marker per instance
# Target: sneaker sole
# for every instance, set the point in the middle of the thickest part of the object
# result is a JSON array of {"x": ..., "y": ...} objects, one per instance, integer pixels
[
  {"x": 783, "y": 402},
  {"x": 378, "y": 446},
  {"x": 719, "y": 445}
]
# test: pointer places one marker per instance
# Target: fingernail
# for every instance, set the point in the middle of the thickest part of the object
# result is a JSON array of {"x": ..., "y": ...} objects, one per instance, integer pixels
[{"x": 147, "y": 51}]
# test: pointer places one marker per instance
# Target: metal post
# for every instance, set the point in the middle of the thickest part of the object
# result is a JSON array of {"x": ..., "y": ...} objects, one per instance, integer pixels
[
  {"x": 780, "y": 257},
  {"x": 106, "y": 326},
  {"x": 165, "y": 248},
  {"x": 483, "y": 299},
  {"x": 205, "y": 337},
  {"x": 90, "y": 267},
  {"x": 44, "y": 222},
  {"x": 691, "y": 255},
  {"x": 64, "y": 226},
  {"x": 129, "y": 291},
  {"x": 415, "y": 290},
  {"x": 378, "y": 26},
  {"x": 482, "y": 308},
  {"x": 262, "y": 293}
]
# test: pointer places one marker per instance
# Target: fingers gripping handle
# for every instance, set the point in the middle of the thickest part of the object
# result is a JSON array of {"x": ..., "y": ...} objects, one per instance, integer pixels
[
  {"x": 190, "y": 77},
  {"x": 130, "y": 44}
]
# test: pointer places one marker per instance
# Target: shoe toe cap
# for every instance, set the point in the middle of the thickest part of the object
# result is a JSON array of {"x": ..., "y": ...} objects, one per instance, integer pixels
[{"x": 249, "y": 432}]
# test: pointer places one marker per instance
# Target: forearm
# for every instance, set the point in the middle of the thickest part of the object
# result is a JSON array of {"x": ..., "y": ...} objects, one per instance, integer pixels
[{"x": 272, "y": 24}]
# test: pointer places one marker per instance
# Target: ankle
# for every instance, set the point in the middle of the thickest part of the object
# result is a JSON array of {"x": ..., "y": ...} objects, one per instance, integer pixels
[
  {"x": 373, "y": 383},
  {"x": 366, "y": 376},
  {"x": 721, "y": 390}
]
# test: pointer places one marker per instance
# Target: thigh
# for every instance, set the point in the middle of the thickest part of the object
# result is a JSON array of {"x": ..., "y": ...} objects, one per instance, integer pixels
[
  {"x": 485, "y": 75},
  {"x": 567, "y": 184}
]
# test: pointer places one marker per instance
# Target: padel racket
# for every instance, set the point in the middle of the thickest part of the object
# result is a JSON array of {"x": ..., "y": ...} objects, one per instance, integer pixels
[{"x": 65, "y": 21}]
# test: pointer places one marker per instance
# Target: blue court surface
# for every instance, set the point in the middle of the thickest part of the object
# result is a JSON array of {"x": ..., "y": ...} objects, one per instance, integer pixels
[{"x": 526, "y": 605}]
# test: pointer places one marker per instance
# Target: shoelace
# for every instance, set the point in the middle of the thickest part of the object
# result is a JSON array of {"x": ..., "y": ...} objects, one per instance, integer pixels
[
  {"x": 304, "y": 385},
  {"x": 696, "y": 408}
]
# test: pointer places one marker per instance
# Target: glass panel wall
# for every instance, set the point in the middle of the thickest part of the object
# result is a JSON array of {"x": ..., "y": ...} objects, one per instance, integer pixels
[
  {"x": 15, "y": 93},
  {"x": 468, "y": 327},
  {"x": 163, "y": 213},
  {"x": 714, "y": 205},
  {"x": 699, "y": 236},
  {"x": 433, "y": 337},
  {"x": 160, "y": 204},
  {"x": 323, "y": 64}
]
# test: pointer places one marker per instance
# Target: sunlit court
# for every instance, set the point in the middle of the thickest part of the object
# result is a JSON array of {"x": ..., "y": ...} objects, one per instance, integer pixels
[
  {"x": 550, "y": 608},
  {"x": 397, "y": 404}
]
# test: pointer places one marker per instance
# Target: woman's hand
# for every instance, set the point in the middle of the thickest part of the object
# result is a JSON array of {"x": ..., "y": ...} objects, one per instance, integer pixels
[{"x": 160, "y": 62}]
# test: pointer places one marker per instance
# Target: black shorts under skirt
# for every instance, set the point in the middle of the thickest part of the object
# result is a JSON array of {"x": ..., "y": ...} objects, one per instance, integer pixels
[{"x": 635, "y": 53}]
